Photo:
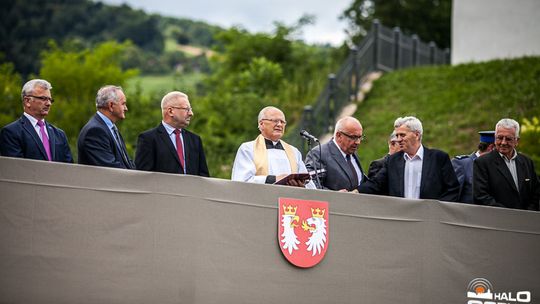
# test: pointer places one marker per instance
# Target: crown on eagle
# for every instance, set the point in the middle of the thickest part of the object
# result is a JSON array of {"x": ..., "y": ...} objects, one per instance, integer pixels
[
  {"x": 289, "y": 210},
  {"x": 317, "y": 212}
]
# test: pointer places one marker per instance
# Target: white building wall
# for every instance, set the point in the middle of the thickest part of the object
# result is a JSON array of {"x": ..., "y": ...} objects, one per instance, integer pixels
[{"x": 483, "y": 30}]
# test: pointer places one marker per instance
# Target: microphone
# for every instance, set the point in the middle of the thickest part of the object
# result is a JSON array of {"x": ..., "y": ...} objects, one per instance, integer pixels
[{"x": 308, "y": 136}]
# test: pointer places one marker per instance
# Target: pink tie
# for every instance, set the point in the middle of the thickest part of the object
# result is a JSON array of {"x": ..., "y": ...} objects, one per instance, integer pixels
[{"x": 44, "y": 139}]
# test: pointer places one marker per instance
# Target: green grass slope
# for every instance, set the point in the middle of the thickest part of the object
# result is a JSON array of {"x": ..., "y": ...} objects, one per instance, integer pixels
[{"x": 453, "y": 103}]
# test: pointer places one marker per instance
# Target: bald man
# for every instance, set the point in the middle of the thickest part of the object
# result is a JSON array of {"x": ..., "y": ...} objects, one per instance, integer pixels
[
  {"x": 338, "y": 157},
  {"x": 170, "y": 147}
]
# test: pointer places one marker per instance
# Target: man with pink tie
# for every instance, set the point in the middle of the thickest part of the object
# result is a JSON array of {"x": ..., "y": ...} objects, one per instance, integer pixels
[{"x": 31, "y": 136}]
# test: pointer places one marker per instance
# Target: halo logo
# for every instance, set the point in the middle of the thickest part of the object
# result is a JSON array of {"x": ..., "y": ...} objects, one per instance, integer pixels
[{"x": 480, "y": 291}]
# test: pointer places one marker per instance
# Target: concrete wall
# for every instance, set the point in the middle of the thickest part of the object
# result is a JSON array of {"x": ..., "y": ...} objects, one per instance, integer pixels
[
  {"x": 82, "y": 234},
  {"x": 484, "y": 30}
]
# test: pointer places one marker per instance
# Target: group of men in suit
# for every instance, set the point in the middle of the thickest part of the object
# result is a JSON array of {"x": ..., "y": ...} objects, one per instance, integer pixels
[
  {"x": 502, "y": 177},
  {"x": 167, "y": 148}
]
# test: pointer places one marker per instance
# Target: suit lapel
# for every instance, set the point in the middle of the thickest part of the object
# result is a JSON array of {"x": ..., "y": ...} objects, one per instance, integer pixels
[
  {"x": 400, "y": 171},
  {"x": 188, "y": 147},
  {"x": 521, "y": 169},
  {"x": 426, "y": 167},
  {"x": 164, "y": 137},
  {"x": 27, "y": 126},
  {"x": 340, "y": 160},
  {"x": 52, "y": 140},
  {"x": 503, "y": 169}
]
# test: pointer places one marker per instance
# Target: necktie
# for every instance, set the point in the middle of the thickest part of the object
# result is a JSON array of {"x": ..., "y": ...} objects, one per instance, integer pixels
[
  {"x": 44, "y": 139},
  {"x": 180, "y": 149},
  {"x": 121, "y": 147},
  {"x": 354, "y": 174}
]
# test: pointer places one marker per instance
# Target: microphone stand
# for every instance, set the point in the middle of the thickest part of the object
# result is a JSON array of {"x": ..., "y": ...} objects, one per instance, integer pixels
[{"x": 319, "y": 186}]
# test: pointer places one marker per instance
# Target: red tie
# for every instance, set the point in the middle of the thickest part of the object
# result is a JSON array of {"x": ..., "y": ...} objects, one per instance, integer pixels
[{"x": 180, "y": 149}]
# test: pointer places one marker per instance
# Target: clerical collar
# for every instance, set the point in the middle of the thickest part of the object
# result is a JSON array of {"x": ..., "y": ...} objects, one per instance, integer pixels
[{"x": 270, "y": 144}]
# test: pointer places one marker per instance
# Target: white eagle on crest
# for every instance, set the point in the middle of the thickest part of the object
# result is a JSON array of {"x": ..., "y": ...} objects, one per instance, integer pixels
[
  {"x": 317, "y": 226},
  {"x": 289, "y": 239}
]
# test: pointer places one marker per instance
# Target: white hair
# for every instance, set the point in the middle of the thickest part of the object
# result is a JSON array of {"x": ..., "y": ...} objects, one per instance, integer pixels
[
  {"x": 106, "y": 94},
  {"x": 170, "y": 97},
  {"x": 264, "y": 110},
  {"x": 29, "y": 87},
  {"x": 508, "y": 123},
  {"x": 414, "y": 124},
  {"x": 342, "y": 122}
]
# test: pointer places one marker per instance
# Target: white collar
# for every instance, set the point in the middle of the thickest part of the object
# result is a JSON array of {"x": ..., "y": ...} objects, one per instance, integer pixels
[
  {"x": 32, "y": 119},
  {"x": 419, "y": 154}
]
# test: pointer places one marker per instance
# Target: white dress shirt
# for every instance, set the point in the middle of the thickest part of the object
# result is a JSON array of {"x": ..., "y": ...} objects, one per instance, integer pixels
[{"x": 413, "y": 173}]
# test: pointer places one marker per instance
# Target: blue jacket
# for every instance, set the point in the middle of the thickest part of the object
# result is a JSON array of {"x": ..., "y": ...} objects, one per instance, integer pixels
[{"x": 20, "y": 139}]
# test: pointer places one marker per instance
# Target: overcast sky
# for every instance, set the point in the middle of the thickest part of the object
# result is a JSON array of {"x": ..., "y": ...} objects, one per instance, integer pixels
[{"x": 256, "y": 16}]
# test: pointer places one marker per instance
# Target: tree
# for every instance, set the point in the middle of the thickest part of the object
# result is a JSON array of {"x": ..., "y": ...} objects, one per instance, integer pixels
[
  {"x": 76, "y": 76},
  {"x": 254, "y": 71},
  {"x": 10, "y": 94},
  {"x": 429, "y": 19}
]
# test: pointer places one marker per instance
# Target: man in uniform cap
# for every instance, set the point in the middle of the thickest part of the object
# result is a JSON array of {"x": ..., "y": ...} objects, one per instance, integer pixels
[{"x": 463, "y": 165}]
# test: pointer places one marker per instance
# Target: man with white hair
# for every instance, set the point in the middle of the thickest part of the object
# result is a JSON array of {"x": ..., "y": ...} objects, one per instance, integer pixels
[
  {"x": 268, "y": 159},
  {"x": 343, "y": 171},
  {"x": 100, "y": 142},
  {"x": 416, "y": 171},
  {"x": 170, "y": 147},
  {"x": 31, "y": 136},
  {"x": 504, "y": 177}
]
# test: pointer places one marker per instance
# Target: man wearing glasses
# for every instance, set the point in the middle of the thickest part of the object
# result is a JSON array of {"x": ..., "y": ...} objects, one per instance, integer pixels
[
  {"x": 504, "y": 177},
  {"x": 415, "y": 172},
  {"x": 31, "y": 136},
  {"x": 338, "y": 157},
  {"x": 100, "y": 142},
  {"x": 169, "y": 147},
  {"x": 268, "y": 159}
]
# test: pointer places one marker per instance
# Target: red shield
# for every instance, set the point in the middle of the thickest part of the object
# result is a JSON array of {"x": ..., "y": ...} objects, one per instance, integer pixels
[{"x": 303, "y": 232}]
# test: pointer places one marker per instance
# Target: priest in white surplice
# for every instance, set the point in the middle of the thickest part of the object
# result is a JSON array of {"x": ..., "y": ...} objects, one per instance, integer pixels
[{"x": 268, "y": 159}]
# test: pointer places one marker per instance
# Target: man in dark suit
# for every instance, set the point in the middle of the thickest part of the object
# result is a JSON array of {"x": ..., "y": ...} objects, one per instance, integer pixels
[
  {"x": 504, "y": 177},
  {"x": 31, "y": 136},
  {"x": 338, "y": 158},
  {"x": 169, "y": 147},
  {"x": 100, "y": 143},
  {"x": 376, "y": 165},
  {"x": 415, "y": 171},
  {"x": 463, "y": 166}
]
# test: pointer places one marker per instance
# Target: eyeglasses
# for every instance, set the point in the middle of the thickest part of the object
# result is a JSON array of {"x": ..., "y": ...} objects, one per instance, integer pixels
[
  {"x": 187, "y": 109},
  {"x": 276, "y": 121},
  {"x": 42, "y": 98},
  {"x": 501, "y": 138},
  {"x": 353, "y": 137}
]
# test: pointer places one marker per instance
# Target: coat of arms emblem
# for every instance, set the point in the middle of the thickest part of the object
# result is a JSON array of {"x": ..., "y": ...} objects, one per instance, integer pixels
[{"x": 303, "y": 231}]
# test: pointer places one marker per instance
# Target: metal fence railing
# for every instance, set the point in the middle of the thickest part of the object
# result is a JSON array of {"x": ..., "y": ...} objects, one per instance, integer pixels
[{"x": 383, "y": 49}]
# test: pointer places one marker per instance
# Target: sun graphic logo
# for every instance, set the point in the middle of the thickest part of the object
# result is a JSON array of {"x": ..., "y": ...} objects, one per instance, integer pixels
[{"x": 480, "y": 288}]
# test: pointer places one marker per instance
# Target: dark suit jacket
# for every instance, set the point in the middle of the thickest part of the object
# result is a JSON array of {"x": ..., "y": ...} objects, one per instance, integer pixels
[
  {"x": 156, "y": 152},
  {"x": 493, "y": 184},
  {"x": 463, "y": 166},
  {"x": 20, "y": 139},
  {"x": 376, "y": 165},
  {"x": 97, "y": 147},
  {"x": 438, "y": 180},
  {"x": 338, "y": 173}
]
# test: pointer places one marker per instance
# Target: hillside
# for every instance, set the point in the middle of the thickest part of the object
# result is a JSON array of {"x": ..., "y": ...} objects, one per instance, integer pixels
[{"x": 453, "y": 103}]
